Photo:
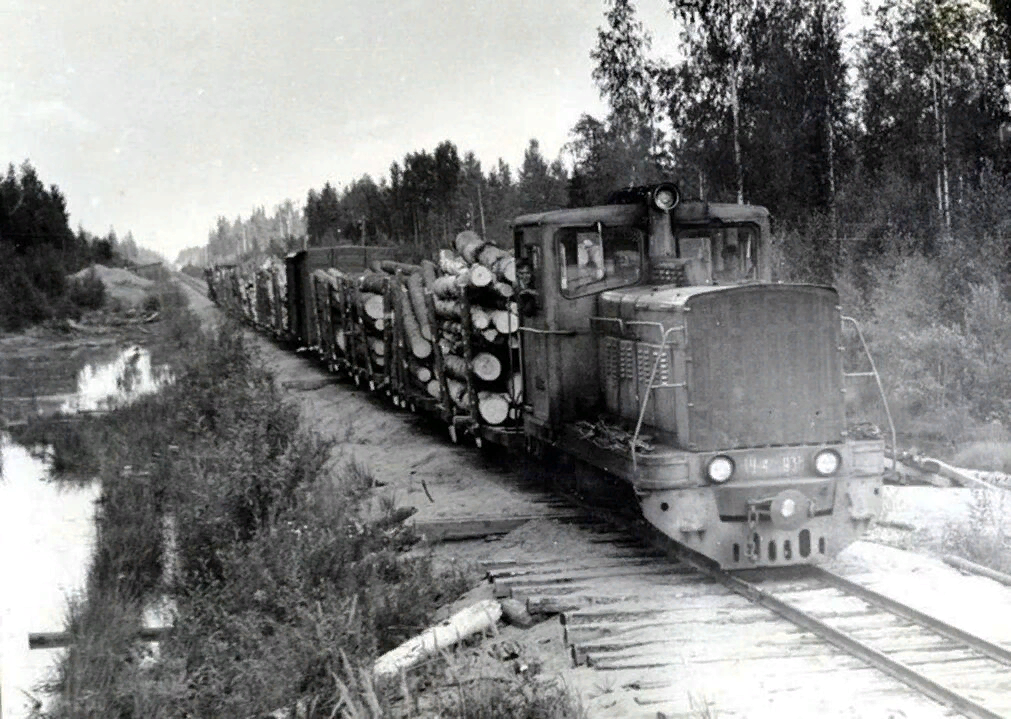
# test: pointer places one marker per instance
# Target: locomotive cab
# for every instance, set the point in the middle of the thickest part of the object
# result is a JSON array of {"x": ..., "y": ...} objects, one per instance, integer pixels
[{"x": 657, "y": 348}]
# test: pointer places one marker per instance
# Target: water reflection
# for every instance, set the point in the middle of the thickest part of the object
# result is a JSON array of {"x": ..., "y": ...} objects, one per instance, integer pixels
[
  {"x": 106, "y": 386},
  {"x": 47, "y": 534}
]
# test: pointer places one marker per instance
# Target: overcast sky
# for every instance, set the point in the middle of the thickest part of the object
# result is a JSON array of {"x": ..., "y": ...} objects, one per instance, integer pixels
[{"x": 157, "y": 116}]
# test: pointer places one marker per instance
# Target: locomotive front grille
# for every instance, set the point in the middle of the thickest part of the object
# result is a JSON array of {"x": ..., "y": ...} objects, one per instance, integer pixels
[{"x": 765, "y": 368}]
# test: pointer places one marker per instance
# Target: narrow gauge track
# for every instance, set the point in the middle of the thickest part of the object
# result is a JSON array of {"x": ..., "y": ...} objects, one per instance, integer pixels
[{"x": 777, "y": 643}]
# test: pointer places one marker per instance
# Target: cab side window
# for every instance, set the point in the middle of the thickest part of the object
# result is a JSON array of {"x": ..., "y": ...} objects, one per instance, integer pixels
[
  {"x": 730, "y": 252},
  {"x": 596, "y": 258}
]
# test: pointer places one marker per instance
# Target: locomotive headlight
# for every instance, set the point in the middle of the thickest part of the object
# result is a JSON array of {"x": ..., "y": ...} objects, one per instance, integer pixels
[
  {"x": 827, "y": 462},
  {"x": 788, "y": 508},
  {"x": 720, "y": 469},
  {"x": 666, "y": 196}
]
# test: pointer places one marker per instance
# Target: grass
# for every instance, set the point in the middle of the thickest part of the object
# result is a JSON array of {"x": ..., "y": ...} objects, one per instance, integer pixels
[
  {"x": 288, "y": 588},
  {"x": 989, "y": 455},
  {"x": 987, "y": 539},
  {"x": 67, "y": 444}
]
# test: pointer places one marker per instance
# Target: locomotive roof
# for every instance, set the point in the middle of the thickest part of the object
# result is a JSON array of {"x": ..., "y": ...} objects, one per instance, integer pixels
[
  {"x": 689, "y": 211},
  {"x": 660, "y": 297}
]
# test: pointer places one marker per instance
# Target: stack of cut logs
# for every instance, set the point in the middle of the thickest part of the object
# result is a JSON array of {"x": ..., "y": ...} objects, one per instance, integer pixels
[
  {"x": 371, "y": 299},
  {"x": 461, "y": 327}
]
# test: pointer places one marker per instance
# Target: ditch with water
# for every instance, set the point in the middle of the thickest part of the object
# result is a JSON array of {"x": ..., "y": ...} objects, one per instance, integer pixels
[{"x": 47, "y": 527}]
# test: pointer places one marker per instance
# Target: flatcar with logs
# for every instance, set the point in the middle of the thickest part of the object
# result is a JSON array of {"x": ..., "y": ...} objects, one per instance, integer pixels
[{"x": 641, "y": 344}]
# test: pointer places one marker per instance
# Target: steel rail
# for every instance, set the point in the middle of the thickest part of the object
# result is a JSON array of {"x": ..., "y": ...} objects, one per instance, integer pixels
[
  {"x": 987, "y": 649},
  {"x": 845, "y": 642}
]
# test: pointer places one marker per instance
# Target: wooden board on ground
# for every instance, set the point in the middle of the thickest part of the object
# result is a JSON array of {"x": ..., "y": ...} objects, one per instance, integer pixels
[{"x": 446, "y": 530}]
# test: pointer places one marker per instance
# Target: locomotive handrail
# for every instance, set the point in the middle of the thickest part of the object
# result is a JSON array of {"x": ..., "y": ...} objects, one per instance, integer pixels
[
  {"x": 564, "y": 333},
  {"x": 877, "y": 379},
  {"x": 622, "y": 324},
  {"x": 649, "y": 390}
]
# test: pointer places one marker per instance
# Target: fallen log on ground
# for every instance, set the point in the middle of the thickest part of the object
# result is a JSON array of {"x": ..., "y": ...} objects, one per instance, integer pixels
[
  {"x": 479, "y": 617},
  {"x": 966, "y": 566}
]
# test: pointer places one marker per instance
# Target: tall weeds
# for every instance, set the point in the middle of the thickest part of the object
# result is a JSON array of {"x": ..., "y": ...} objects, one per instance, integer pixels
[{"x": 285, "y": 588}]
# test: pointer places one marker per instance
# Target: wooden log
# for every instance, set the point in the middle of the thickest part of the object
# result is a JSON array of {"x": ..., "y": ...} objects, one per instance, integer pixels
[
  {"x": 966, "y": 566},
  {"x": 490, "y": 254},
  {"x": 458, "y": 393},
  {"x": 448, "y": 309},
  {"x": 486, "y": 366},
  {"x": 393, "y": 267},
  {"x": 505, "y": 321},
  {"x": 468, "y": 243},
  {"x": 515, "y": 612},
  {"x": 376, "y": 346},
  {"x": 420, "y": 372},
  {"x": 493, "y": 407},
  {"x": 416, "y": 291},
  {"x": 433, "y": 388},
  {"x": 374, "y": 282},
  {"x": 490, "y": 334},
  {"x": 428, "y": 273},
  {"x": 452, "y": 328},
  {"x": 456, "y": 366},
  {"x": 379, "y": 324},
  {"x": 450, "y": 264},
  {"x": 478, "y": 617},
  {"x": 503, "y": 290},
  {"x": 479, "y": 319},
  {"x": 378, "y": 360},
  {"x": 480, "y": 276},
  {"x": 446, "y": 287},
  {"x": 505, "y": 269},
  {"x": 372, "y": 305},
  {"x": 420, "y": 347}
]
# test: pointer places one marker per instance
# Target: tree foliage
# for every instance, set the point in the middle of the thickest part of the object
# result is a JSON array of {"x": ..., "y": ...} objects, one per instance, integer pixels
[{"x": 38, "y": 250}]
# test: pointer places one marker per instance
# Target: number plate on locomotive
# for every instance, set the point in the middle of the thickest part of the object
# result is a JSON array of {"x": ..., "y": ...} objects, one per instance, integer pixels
[{"x": 780, "y": 465}]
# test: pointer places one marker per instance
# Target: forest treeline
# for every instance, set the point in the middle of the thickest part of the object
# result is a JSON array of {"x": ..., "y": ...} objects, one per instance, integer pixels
[
  {"x": 891, "y": 143},
  {"x": 882, "y": 155},
  {"x": 38, "y": 250}
]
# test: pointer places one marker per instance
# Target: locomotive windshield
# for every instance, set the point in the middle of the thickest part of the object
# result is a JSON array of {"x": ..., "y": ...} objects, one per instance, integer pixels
[
  {"x": 597, "y": 258},
  {"x": 729, "y": 252}
]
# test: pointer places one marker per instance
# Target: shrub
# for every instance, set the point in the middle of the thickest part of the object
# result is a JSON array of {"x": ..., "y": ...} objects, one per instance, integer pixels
[
  {"x": 21, "y": 302},
  {"x": 151, "y": 303},
  {"x": 986, "y": 539},
  {"x": 87, "y": 292}
]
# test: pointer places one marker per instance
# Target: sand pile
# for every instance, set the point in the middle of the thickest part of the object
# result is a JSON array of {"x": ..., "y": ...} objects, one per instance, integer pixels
[{"x": 120, "y": 285}]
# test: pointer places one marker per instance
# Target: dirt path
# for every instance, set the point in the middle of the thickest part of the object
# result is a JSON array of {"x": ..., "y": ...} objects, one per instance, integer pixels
[{"x": 416, "y": 464}]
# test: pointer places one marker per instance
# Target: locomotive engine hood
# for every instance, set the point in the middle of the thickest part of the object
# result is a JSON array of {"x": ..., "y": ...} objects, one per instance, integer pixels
[{"x": 725, "y": 367}]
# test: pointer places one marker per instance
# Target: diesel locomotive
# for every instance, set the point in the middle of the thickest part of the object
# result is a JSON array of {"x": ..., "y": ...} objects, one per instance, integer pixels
[{"x": 653, "y": 349}]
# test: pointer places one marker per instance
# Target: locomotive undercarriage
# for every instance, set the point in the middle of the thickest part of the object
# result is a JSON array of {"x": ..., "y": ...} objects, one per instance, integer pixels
[
  {"x": 765, "y": 537},
  {"x": 747, "y": 523}
]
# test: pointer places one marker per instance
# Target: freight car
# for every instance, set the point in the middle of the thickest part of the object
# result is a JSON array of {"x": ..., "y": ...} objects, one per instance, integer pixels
[{"x": 644, "y": 341}]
